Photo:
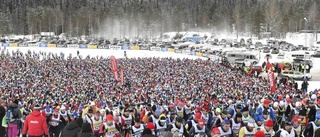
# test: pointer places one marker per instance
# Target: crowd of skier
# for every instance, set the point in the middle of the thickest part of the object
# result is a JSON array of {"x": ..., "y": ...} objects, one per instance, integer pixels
[{"x": 73, "y": 96}]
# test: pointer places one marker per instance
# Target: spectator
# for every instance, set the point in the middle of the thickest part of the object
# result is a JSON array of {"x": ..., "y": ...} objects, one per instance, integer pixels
[
  {"x": 86, "y": 131},
  {"x": 72, "y": 128},
  {"x": 35, "y": 124},
  {"x": 13, "y": 118},
  {"x": 2, "y": 116}
]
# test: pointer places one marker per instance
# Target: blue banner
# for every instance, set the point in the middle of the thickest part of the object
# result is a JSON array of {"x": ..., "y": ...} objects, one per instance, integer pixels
[
  {"x": 43, "y": 45},
  {"x": 192, "y": 53},
  {"x": 5, "y": 44},
  {"x": 125, "y": 47},
  {"x": 164, "y": 49},
  {"x": 83, "y": 46}
]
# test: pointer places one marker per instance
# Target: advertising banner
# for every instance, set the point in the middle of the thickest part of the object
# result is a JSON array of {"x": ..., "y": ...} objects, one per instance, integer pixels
[
  {"x": 5, "y": 44},
  {"x": 114, "y": 67},
  {"x": 33, "y": 45},
  {"x": 204, "y": 54},
  {"x": 103, "y": 47},
  {"x": 125, "y": 47},
  {"x": 192, "y": 53},
  {"x": 144, "y": 48},
  {"x": 83, "y": 46},
  {"x": 186, "y": 52},
  {"x": 199, "y": 54},
  {"x": 136, "y": 48},
  {"x": 43, "y": 45},
  {"x": 73, "y": 46},
  {"x": 164, "y": 49},
  {"x": 170, "y": 50},
  {"x": 155, "y": 49},
  {"x": 271, "y": 77},
  {"x": 92, "y": 46},
  {"x": 61, "y": 46},
  {"x": 52, "y": 45},
  {"x": 23, "y": 45},
  {"x": 115, "y": 47},
  {"x": 13, "y": 44},
  {"x": 177, "y": 50}
]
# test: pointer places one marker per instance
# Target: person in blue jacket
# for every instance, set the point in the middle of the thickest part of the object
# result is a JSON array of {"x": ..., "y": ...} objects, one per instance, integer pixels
[{"x": 265, "y": 106}]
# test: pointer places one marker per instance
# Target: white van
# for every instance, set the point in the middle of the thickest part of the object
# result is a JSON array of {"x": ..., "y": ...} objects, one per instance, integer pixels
[{"x": 248, "y": 56}]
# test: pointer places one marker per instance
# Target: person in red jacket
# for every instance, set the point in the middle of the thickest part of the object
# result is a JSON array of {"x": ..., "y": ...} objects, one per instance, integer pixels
[{"x": 35, "y": 124}]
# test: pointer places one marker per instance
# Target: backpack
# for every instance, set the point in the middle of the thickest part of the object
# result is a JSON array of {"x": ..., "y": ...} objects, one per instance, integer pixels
[{"x": 12, "y": 115}]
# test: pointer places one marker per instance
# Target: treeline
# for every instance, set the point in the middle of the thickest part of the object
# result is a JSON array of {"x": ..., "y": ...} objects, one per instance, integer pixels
[{"x": 134, "y": 17}]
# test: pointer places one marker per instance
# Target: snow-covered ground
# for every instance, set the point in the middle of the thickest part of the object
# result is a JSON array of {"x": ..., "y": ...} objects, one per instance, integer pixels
[{"x": 138, "y": 53}]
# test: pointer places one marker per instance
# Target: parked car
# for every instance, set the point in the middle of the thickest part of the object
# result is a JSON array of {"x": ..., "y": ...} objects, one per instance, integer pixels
[
  {"x": 275, "y": 51},
  {"x": 295, "y": 75}
]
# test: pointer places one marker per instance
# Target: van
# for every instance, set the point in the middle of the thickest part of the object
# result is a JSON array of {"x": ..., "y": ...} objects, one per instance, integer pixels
[{"x": 249, "y": 56}]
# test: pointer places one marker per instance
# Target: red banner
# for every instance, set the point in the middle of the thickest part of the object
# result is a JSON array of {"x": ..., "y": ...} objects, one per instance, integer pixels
[
  {"x": 271, "y": 78},
  {"x": 121, "y": 76},
  {"x": 114, "y": 67}
]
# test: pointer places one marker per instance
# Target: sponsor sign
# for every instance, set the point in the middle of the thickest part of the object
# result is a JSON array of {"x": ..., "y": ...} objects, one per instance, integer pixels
[
  {"x": 125, "y": 47},
  {"x": 33, "y": 45},
  {"x": 92, "y": 46},
  {"x": 164, "y": 49},
  {"x": 73, "y": 46},
  {"x": 61, "y": 46},
  {"x": 204, "y": 54},
  {"x": 155, "y": 49},
  {"x": 23, "y": 45},
  {"x": 144, "y": 48},
  {"x": 13, "y": 44},
  {"x": 137, "y": 48},
  {"x": 5, "y": 44},
  {"x": 43, "y": 45},
  {"x": 115, "y": 47},
  {"x": 102, "y": 47},
  {"x": 171, "y": 50},
  {"x": 83, "y": 46},
  {"x": 199, "y": 54},
  {"x": 178, "y": 50},
  {"x": 186, "y": 52},
  {"x": 192, "y": 53},
  {"x": 52, "y": 45}
]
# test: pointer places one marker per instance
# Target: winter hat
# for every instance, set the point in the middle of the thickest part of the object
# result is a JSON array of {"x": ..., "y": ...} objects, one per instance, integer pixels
[
  {"x": 150, "y": 125},
  {"x": 215, "y": 131},
  {"x": 296, "y": 119},
  {"x": 37, "y": 107},
  {"x": 269, "y": 123},
  {"x": 201, "y": 122},
  {"x": 259, "y": 134},
  {"x": 109, "y": 117},
  {"x": 197, "y": 115}
]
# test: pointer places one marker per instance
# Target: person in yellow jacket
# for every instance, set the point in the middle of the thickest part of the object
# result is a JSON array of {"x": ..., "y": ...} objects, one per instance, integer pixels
[
  {"x": 92, "y": 106},
  {"x": 248, "y": 130}
]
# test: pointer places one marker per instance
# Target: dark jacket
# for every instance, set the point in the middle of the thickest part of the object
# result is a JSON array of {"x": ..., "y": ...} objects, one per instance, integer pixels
[
  {"x": 72, "y": 129},
  {"x": 86, "y": 131}
]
